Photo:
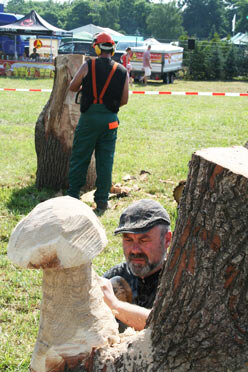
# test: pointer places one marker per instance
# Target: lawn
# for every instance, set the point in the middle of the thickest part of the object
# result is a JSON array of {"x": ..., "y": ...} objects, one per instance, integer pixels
[{"x": 157, "y": 134}]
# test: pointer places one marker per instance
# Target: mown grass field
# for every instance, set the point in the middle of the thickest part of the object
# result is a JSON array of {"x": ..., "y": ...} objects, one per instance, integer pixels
[{"x": 157, "y": 134}]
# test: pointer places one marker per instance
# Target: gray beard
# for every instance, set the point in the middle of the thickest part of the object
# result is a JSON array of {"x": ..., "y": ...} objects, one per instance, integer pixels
[{"x": 141, "y": 270}]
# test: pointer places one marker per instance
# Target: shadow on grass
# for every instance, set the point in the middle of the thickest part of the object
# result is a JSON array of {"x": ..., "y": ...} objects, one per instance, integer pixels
[{"x": 23, "y": 200}]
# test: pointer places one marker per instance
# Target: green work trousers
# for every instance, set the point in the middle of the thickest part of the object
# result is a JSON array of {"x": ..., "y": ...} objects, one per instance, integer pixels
[{"x": 93, "y": 133}]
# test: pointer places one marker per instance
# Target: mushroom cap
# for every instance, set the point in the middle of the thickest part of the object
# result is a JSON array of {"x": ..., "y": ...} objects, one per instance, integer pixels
[{"x": 62, "y": 232}]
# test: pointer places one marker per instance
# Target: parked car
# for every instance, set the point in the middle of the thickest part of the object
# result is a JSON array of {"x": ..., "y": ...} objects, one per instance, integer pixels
[{"x": 77, "y": 47}]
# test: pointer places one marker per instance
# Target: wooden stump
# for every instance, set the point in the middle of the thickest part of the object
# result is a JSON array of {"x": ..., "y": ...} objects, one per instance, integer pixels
[
  {"x": 55, "y": 128},
  {"x": 200, "y": 314}
]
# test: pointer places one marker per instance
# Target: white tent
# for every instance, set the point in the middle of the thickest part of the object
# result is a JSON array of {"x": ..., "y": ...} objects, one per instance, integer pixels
[
  {"x": 240, "y": 39},
  {"x": 92, "y": 29}
]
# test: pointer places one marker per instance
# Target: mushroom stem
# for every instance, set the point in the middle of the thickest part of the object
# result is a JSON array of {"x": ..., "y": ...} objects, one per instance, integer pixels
[{"x": 73, "y": 319}]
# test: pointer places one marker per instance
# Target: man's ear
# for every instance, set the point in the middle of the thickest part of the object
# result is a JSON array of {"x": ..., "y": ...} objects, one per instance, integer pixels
[{"x": 167, "y": 239}]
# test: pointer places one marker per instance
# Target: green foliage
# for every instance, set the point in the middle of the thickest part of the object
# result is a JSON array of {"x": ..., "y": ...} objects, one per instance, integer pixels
[
  {"x": 108, "y": 15},
  {"x": 167, "y": 15},
  {"x": 230, "y": 66},
  {"x": 126, "y": 12},
  {"x": 212, "y": 33},
  {"x": 79, "y": 14},
  {"x": 199, "y": 17},
  {"x": 242, "y": 13},
  {"x": 216, "y": 60},
  {"x": 197, "y": 63},
  {"x": 141, "y": 11},
  {"x": 17, "y": 6},
  {"x": 214, "y": 63},
  {"x": 242, "y": 61}
]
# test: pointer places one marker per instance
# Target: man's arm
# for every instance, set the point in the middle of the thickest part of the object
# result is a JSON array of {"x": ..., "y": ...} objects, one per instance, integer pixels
[
  {"x": 129, "y": 314},
  {"x": 77, "y": 80},
  {"x": 124, "y": 97},
  {"x": 150, "y": 64}
]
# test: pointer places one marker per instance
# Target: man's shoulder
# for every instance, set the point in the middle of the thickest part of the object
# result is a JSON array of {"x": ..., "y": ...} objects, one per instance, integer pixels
[
  {"x": 111, "y": 62},
  {"x": 117, "y": 270}
]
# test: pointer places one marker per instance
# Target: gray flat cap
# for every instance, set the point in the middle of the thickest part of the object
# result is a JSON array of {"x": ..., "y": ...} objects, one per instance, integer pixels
[{"x": 141, "y": 216}]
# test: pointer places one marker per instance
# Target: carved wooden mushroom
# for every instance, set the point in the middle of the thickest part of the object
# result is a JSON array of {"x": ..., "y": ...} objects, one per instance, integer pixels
[{"x": 62, "y": 236}]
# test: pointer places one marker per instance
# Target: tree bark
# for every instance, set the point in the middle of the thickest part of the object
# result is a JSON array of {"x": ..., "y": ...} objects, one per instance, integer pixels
[
  {"x": 55, "y": 128},
  {"x": 199, "y": 321}
]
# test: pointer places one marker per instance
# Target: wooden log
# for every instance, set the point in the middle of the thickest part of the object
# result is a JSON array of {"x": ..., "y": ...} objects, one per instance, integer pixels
[
  {"x": 200, "y": 313},
  {"x": 55, "y": 128}
]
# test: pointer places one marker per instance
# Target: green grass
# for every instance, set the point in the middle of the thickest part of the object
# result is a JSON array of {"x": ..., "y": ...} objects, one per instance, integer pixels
[{"x": 157, "y": 134}]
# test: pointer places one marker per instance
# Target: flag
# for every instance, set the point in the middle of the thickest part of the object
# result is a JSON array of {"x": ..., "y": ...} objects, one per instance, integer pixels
[{"x": 233, "y": 22}]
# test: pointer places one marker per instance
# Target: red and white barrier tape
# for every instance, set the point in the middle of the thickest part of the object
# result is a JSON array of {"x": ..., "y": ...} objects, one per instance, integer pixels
[
  {"x": 26, "y": 90},
  {"x": 190, "y": 93},
  {"x": 146, "y": 92}
]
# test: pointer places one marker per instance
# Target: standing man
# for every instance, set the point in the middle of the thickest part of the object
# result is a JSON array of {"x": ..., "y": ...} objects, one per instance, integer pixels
[
  {"x": 146, "y": 236},
  {"x": 104, "y": 89},
  {"x": 146, "y": 65}
]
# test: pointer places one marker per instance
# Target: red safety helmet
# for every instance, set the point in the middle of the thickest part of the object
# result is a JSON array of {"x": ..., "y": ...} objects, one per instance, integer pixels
[{"x": 103, "y": 38}]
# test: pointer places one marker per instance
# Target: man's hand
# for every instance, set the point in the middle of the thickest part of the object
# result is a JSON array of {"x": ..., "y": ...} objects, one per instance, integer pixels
[
  {"x": 108, "y": 293},
  {"x": 130, "y": 314}
]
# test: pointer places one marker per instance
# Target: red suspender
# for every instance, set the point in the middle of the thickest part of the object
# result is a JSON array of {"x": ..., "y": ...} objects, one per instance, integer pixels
[
  {"x": 93, "y": 66},
  {"x": 106, "y": 83}
]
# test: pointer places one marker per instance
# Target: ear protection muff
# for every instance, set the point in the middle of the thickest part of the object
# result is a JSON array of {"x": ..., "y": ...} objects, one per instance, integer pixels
[{"x": 98, "y": 50}]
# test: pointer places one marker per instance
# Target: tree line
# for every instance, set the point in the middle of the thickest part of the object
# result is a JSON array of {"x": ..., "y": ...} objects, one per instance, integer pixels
[
  {"x": 164, "y": 21},
  {"x": 214, "y": 59}
]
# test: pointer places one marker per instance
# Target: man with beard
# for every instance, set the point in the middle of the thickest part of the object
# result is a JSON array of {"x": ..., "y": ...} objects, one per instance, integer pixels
[{"x": 146, "y": 235}]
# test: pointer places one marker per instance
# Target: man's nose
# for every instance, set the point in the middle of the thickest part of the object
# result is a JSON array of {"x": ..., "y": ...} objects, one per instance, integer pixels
[{"x": 136, "y": 248}]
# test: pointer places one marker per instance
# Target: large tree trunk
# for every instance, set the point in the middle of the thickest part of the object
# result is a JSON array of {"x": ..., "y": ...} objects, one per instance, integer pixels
[
  {"x": 55, "y": 128},
  {"x": 199, "y": 322}
]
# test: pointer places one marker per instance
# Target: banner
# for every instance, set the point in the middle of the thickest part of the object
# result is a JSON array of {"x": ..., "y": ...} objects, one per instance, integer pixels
[
  {"x": 155, "y": 57},
  {"x": 44, "y": 47},
  {"x": 26, "y": 69},
  {"x": 173, "y": 58}
]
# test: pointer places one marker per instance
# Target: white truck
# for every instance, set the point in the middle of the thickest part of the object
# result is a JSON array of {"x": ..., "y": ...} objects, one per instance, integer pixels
[{"x": 166, "y": 59}]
